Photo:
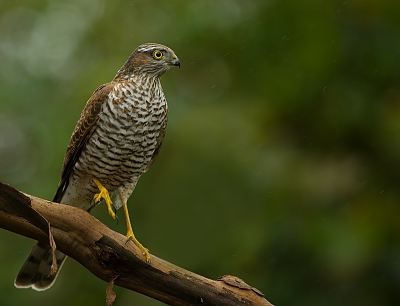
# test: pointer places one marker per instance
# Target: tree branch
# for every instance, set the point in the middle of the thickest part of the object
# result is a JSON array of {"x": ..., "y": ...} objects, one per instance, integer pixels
[{"x": 107, "y": 255}]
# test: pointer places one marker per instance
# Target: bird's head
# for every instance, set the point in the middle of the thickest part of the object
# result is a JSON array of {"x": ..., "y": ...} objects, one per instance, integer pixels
[{"x": 149, "y": 60}]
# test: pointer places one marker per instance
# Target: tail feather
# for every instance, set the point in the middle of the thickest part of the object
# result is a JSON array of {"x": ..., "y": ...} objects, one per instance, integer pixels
[{"x": 36, "y": 270}]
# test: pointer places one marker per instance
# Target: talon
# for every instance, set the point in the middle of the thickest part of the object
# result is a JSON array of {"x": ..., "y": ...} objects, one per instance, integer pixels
[
  {"x": 103, "y": 194},
  {"x": 115, "y": 212},
  {"x": 145, "y": 251}
]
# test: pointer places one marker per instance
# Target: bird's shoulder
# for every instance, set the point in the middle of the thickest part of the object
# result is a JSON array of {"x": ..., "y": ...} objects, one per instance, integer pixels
[{"x": 91, "y": 112}]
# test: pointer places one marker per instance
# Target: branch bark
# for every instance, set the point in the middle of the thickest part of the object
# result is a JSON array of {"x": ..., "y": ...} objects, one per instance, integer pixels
[{"x": 108, "y": 256}]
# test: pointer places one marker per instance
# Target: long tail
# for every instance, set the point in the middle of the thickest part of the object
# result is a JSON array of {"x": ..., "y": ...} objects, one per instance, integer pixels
[{"x": 35, "y": 272}]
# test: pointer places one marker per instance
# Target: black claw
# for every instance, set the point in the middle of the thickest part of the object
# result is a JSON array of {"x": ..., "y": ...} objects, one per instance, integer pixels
[
  {"x": 129, "y": 238},
  {"x": 115, "y": 212}
]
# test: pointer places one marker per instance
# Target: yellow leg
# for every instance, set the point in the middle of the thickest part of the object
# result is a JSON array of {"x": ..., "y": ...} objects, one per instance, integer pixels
[
  {"x": 103, "y": 194},
  {"x": 132, "y": 237}
]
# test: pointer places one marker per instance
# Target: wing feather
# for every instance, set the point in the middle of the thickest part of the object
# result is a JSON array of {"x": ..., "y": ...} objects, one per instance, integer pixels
[{"x": 86, "y": 125}]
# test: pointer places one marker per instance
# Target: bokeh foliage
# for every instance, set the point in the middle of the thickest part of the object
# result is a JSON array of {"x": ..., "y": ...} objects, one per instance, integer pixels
[{"x": 281, "y": 163}]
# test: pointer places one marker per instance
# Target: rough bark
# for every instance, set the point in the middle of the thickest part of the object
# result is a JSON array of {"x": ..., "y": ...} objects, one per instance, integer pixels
[{"x": 111, "y": 258}]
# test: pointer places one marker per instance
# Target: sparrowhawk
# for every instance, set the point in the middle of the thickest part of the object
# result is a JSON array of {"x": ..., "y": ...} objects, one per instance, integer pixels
[{"x": 115, "y": 141}]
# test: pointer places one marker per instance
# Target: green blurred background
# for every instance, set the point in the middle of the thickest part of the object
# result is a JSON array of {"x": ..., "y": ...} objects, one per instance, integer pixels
[{"x": 281, "y": 163}]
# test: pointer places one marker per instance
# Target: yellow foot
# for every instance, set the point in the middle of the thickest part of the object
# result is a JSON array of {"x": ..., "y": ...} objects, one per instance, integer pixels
[
  {"x": 144, "y": 250},
  {"x": 103, "y": 194},
  {"x": 132, "y": 237}
]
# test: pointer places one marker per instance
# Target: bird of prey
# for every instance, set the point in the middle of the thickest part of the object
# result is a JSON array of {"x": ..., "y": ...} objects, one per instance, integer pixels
[{"x": 116, "y": 140}]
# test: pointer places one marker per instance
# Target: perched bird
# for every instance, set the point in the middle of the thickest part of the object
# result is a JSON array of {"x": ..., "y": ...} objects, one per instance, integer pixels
[{"x": 115, "y": 141}]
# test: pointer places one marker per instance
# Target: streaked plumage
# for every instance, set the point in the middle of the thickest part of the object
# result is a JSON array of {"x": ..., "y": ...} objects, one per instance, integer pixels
[{"x": 115, "y": 141}]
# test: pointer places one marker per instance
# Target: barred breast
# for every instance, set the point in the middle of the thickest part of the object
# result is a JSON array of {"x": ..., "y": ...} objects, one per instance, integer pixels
[{"x": 124, "y": 140}]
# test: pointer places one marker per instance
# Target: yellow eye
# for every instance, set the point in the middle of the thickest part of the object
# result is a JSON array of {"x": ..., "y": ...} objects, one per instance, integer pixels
[{"x": 158, "y": 54}]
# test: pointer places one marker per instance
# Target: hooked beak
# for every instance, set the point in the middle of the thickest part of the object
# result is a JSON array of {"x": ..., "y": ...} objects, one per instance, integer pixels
[{"x": 175, "y": 61}]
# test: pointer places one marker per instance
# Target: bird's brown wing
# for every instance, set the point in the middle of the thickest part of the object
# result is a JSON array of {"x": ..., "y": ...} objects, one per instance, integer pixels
[
  {"x": 84, "y": 128},
  {"x": 160, "y": 139}
]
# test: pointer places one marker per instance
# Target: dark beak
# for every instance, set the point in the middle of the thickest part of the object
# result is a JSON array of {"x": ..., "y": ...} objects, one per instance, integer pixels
[{"x": 176, "y": 61}]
